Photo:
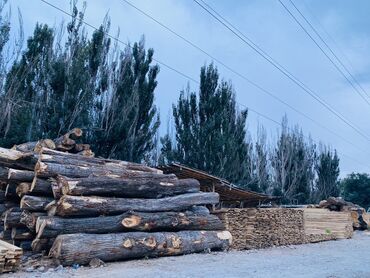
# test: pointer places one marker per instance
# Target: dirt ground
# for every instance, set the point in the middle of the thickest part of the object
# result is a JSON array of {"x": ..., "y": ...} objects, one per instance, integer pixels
[{"x": 342, "y": 258}]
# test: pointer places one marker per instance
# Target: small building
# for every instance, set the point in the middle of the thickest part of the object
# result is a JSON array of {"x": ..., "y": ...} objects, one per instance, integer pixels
[{"x": 231, "y": 196}]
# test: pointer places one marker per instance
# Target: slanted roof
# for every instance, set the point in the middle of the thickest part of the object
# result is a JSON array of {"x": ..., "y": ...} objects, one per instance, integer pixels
[{"x": 227, "y": 191}]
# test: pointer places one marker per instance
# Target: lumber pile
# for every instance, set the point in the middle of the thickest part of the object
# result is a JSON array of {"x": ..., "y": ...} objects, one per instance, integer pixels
[
  {"x": 10, "y": 257},
  {"x": 323, "y": 224},
  {"x": 359, "y": 217},
  {"x": 64, "y": 199},
  {"x": 263, "y": 227},
  {"x": 254, "y": 228}
]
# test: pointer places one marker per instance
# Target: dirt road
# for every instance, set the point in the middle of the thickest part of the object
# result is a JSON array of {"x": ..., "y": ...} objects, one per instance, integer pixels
[{"x": 343, "y": 258}]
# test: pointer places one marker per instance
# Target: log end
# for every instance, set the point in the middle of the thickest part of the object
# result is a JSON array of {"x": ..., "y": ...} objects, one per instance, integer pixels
[{"x": 130, "y": 222}]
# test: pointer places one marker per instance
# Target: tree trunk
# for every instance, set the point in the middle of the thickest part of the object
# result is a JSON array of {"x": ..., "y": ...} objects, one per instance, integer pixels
[
  {"x": 20, "y": 175},
  {"x": 29, "y": 219},
  {"x": 35, "y": 146},
  {"x": 81, "y": 248},
  {"x": 67, "y": 141},
  {"x": 41, "y": 187},
  {"x": 34, "y": 203},
  {"x": 16, "y": 159},
  {"x": 12, "y": 219},
  {"x": 39, "y": 245},
  {"x": 11, "y": 191},
  {"x": 21, "y": 234},
  {"x": 53, "y": 156},
  {"x": 93, "y": 206},
  {"x": 26, "y": 245},
  {"x": 124, "y": 187},
  {"x": 49, "y": 169},
  {"x": 51, "y": 227}
]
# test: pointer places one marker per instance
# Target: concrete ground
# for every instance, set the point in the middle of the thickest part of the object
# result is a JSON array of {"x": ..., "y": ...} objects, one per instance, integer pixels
[{"x": 334, "y": 259}]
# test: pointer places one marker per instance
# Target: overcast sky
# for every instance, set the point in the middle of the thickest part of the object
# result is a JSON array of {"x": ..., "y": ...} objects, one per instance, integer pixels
[{"x": 268, "y": 25}]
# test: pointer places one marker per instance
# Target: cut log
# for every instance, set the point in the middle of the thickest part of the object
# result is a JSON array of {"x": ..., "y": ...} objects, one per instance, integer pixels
[
  {"x": 67, "y": 249},
  {"x": 26, "y": 245},
  {"x": 12, "y": 218},
  {"x": 81, "y": 147},
  {"x": 35, "y": 146},
  {"x": 21, "y": 234},
  {"x": 20, "y": 175},
  {"x": 6, "y": 235},
  {"x": 29, "y": 219},
  {"x": 41, "y": 187},
  {"x": 16, "y": 159},
  {"x": 52, "y": 155},
  {"x": 34, "y": 203},
  {"x": 4, "y": 173},
  {"x": 51, "y": 227},
  {"x": 67, "y": 141},
  {"x": 93, "y": 206},
  {"x": 43, "y": 244},
  {"x": 11, "y": 191},
  {"x": 124, "y": 187},
  {"x": 2, "y": 196},
  {"x": 49, "y": 169}
]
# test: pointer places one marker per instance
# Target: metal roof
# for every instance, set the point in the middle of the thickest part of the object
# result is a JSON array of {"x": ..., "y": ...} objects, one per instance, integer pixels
[{"x": 227, "y": 191}]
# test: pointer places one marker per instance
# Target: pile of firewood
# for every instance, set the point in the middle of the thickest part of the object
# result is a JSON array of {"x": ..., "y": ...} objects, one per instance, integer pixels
[{"x": 58, "y": 196}]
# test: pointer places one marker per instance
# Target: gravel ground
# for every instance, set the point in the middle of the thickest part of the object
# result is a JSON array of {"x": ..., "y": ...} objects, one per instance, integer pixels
[{"x": 334, "y": 259}]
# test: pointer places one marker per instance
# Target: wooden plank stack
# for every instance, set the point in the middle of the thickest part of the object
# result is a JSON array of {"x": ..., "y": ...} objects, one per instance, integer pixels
[
  {"x": 323, "y": 224},
  {"x": 67, "y": 200},
  {"x": 10, "y": 257}
]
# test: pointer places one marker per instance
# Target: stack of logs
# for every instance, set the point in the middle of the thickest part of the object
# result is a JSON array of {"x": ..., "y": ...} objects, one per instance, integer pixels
[{"x": 82, "y": 207}]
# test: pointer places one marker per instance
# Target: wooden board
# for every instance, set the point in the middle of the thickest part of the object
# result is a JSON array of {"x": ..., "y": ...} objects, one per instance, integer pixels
[{"x": 326, "y": 222}]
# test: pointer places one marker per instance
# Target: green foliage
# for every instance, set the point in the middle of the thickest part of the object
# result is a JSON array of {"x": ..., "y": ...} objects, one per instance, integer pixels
[
  {"x": 293, "y": 165},
  {"x": 210, "y": 132},
  {"x": 85, "y": 83},
  {"x": 327, "y": 169},
  {"x": 356, "y": 189}
]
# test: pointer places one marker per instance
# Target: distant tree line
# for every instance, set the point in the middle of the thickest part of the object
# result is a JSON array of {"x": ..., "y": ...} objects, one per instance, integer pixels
[
  {"x": 63, "y": 78},
  {"x": 210, "y": 135}
]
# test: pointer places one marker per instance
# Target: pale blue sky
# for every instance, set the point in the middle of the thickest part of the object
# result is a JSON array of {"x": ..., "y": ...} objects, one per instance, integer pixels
[{"x": 268, "y": 25}]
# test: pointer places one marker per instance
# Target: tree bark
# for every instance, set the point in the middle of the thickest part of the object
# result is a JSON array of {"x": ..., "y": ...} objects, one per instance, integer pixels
[
  {"x": 127, "y": 187},
  {"x": 53, "y": 156},
  {"x": 20, "y": 175},
  {"x": 16, "y": 159},
  {"x": 41, "y": 187},
  {"x": 42, "y": 244},
  {"x": 21, "y": 234},
  {"x": 49, "y": 169},
  {"x": 93, "y": 206},
  {"x": 35, "y": 146},
  {"x": 29, "y": 219},
  {"x": 81, "y": 248},
  {"x": 34, "y": 203},
  {"x": 12, "y": 218},
  {"x": 11, "y": 191},
  {"x": 51, "y": 227}
]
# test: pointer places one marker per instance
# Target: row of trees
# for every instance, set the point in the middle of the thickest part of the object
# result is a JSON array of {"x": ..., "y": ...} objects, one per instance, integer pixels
[
  {"x": 63, "y": 78},
  {"x": 211, "y": 136},
  {"x": 60, "y": 82}
]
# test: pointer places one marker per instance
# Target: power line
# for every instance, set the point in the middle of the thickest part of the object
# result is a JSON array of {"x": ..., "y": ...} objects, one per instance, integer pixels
[
  {"x": 170, "y": 67},
  {"x": 282, "y": 69},
  {"x": 322, "y": 50},
  {"x": 146, "y": 14},
  {"x": 330, "y": 49}
]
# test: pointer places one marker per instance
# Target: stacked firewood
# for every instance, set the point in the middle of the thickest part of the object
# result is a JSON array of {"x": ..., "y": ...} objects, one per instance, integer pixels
[{"x": 82, "y": 207}]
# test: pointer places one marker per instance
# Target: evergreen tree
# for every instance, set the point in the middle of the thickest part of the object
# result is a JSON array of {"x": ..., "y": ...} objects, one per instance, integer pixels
[
  {"x": 210, "y": 132},
  {"x": 327, "y": 169},
  {"x": 356, "y": 189}
]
